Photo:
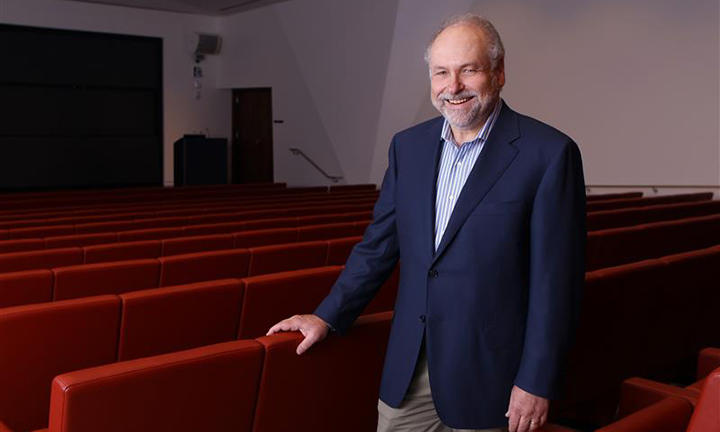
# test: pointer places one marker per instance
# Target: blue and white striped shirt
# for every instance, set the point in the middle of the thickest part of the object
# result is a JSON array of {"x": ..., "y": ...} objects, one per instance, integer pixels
[{"x": 456, "y": 162}]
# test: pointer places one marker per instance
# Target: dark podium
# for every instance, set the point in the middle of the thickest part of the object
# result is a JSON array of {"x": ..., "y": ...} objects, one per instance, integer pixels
[{"x": 200, "y": 160}]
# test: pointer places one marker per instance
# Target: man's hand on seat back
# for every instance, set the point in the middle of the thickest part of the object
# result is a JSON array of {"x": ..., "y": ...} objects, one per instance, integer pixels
[
  {"x": 311, "y": 326},
  {"x": 526, "y": 412}
]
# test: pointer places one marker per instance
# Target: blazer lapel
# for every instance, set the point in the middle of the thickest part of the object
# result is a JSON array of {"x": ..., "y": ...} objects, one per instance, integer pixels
[
  {"x": 430, "y": 148},
  {"x": 494, "y": 159}
]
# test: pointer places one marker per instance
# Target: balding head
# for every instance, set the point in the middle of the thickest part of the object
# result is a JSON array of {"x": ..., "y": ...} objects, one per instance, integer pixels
[{"x": 493, "y": 46}]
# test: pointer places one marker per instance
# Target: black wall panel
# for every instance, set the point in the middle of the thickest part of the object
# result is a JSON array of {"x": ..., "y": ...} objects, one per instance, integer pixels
[{"x": 79, "y": 109}]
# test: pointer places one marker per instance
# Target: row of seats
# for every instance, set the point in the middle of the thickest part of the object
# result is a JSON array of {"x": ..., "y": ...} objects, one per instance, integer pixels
[
  {"x": 605, "y": 248},
  {"x": 181, "y": 207},
  {"x": 65, "y": 200},
  {"x": 186, "y": 209},
  {"x": 617, "y": 246},
  {"x": 646, "y": 318},
  {"x": 661, "y": 408},
  {"x": 83, "y": 280},
  {"x": 642, "y": 202},
  {"x": 625, "y": 217},
  {"x": 182, "y": 221},
  {"x": 249, "y": 385},
  {"x": 612, "y": 196},
  {"x": 38, "y": 342}
]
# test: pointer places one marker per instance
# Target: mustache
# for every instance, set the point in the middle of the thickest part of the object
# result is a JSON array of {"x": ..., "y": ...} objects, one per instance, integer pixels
[{"x": 462, "y": 95}]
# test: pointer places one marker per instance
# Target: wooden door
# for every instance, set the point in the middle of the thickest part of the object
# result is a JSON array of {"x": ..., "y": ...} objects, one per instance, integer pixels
[{"x": 252, "y": 143}]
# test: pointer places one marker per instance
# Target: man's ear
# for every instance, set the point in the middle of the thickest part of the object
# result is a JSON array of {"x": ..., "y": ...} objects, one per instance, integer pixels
[{"x": 499, "y": 74}]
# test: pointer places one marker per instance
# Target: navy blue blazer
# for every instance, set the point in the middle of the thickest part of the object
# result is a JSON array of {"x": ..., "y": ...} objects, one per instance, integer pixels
[{"x": 497, "y": 303}]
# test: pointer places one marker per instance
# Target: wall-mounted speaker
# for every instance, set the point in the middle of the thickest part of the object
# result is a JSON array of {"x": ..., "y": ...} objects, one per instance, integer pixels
[{"x": 205, "y": 44}]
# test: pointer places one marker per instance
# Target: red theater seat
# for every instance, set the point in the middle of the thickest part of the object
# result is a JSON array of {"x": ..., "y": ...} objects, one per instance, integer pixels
[
  {"x": 122, "y": 251},
  {"x": 340, "y": 376},
  {"x": 212, "y": 388},
  {"x": 105, "y": 278},
  {"x": 42, "y": 259},
  {"x": 339, "y": 249},
  {"x": 21, "y": 288},
  {"x": 184, "y": 245},
  {"x": 43, "y": 231},
  {"x": 271, "y": 298},
  {"x": 20, "y": 245},
  {"x": 150, "y": 234},
  {"x": 264, "y": 237},
  {"x": 326, "y": 231},
  {"x": 706, "y": 417},
  {"x": 38, "y": 342},
  {"x": 204, "y": 266},
  {"x": 79, "y": 240},
  {"x": 174, "y": 318},
  {"x": 669, "y": 415},
  {"x": 293, "y": 256},
  {"x": 215, "y": 228}
]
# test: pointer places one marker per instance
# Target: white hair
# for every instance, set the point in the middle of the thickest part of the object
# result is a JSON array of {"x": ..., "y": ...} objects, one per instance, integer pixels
[{"x": 495, "y": 48}]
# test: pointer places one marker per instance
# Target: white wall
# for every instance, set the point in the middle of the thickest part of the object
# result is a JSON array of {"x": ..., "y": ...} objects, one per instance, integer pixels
[
  {"x": 183, "y": 113},
  {"x": 635, "y": 83}
]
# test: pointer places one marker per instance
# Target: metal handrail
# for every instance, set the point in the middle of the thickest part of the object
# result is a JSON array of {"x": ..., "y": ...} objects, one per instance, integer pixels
[
  {"x": 654, "y": 188},
  {"x": 298, "y": 152}
]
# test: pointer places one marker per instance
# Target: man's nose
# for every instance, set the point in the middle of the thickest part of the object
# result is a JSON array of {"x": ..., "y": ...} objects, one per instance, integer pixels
[{"x": 455, "y": 86}]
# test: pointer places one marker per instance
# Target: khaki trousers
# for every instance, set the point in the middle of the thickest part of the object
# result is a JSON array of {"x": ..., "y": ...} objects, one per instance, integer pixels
[{"x": 417, "y": 411}]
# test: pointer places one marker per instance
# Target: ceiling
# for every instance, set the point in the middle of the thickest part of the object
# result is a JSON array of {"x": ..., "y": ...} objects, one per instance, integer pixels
[{"x": 200, "y": 7}]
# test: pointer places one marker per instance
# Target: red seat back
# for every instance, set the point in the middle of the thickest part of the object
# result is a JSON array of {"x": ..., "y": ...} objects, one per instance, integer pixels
[
  {"x": 212, "y": 388},
  {"x": 293, "y": 256},
  {"x": 341, "y": 376},
  {"x": 39, "y": 342},
  {"x": 339, "y": 249},
  {"x": 105, "y": 278},
  {"x": 41, "y": 259},
  {"x": 174, "y": 318},
  {"x": 185, "y": 245},
  {"x": 122, "y": 251},
  {"x": 21, "y": 288},
  {"x": 273, "y": 297},
  {"x": 326, "y": 231},
  {"x": 204, "y": 266},
  {"x": 265, "y": 237}
]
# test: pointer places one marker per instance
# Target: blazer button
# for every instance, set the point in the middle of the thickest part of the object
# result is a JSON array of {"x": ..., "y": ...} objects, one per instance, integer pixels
[
  {"x": 433, "y": 273},
  {"x": 422, "y": 318}
]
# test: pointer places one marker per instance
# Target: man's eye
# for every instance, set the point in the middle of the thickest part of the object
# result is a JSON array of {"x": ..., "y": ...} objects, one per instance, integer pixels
[
  {"x": 440, "y": 73},
  {"x": 469, "y": 71}
]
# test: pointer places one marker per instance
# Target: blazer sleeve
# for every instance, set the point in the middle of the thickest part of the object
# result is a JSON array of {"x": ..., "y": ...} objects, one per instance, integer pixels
[
  {"x": 371, "y": 261},
  {"x": 557, "y": 273}
]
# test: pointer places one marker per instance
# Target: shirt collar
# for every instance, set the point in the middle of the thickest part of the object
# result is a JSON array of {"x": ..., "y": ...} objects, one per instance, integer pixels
[{"x": 482, "y": 135}]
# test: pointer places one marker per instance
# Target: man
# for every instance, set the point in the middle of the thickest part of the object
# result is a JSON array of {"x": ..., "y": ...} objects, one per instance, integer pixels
[{"x": 486, "y": 210}]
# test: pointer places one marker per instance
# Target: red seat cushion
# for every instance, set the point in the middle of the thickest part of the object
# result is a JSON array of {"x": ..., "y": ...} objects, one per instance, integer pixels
[
  {"x": 273, "y": 297},
  {"x": 340, "y": 375},
  {"x": 38, "y": 342},
  {"x": 293, "y": 256},
  {"x": 174, "y": 318},
  {"x": 211, "y": 388},
  {"x": 204, "y": 266},
  {"x": 105, "y": 278}
]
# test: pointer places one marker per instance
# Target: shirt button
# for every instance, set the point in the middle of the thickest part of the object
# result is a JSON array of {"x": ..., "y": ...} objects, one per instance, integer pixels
[
  {"x": 422, "y": 318},
  {"x": 450, "y": 197}
]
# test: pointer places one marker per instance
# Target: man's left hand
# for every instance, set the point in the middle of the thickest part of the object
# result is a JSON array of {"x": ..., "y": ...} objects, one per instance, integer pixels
[{"x": 526, "y": 412}]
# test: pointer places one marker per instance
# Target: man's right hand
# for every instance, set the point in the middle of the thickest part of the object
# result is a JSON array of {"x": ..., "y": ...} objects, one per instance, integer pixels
[{"x": 311, "y": 326}]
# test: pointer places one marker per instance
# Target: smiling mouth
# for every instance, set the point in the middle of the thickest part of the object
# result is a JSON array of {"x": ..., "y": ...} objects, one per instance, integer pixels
[{"x": 457, "y": 101}]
